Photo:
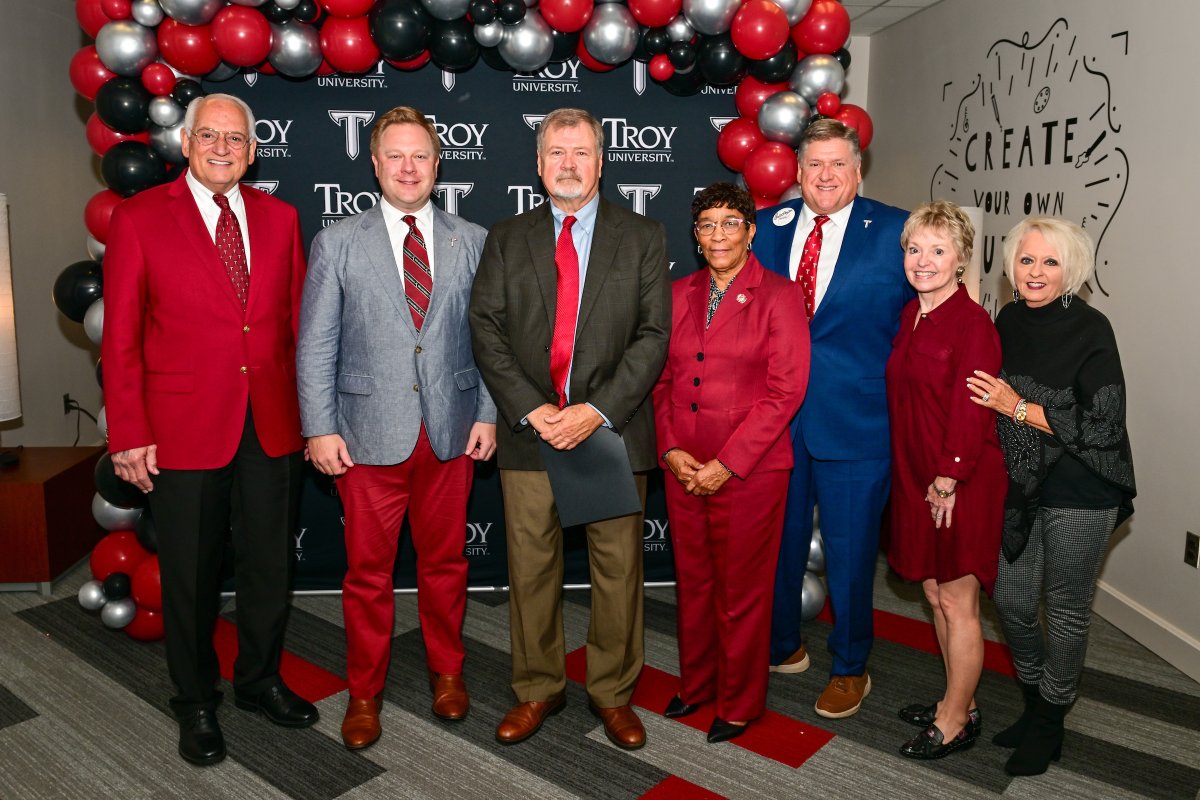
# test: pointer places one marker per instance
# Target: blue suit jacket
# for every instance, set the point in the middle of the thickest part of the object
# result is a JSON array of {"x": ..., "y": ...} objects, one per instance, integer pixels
[{"x": 845, "y": 416}]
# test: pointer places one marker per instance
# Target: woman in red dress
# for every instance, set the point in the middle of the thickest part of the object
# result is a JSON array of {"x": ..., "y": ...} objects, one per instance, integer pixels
[{"x": 948, "y": 476}]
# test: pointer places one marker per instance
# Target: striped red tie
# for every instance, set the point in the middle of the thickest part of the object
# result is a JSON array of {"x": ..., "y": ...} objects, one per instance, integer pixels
[
  {"x": 232, "y": 249},
  {"x": 418, "y": 280},
  {"x": 806, "y": 273},
  {"x": 566, "y": 305}
]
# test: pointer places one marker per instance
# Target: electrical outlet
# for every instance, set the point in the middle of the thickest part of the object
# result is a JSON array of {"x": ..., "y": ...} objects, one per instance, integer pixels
[
  {"x": 66, "y": 404},
  {"x": 1191, "y": 550}
]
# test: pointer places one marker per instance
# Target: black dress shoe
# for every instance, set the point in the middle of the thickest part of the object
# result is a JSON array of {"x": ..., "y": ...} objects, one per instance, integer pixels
[
  {"x": 722, "y": 731},
  {"x": 200, "y": 739},
  {"x": 280, "y": 705},
  {"x": 930, "y": 743},
  {"x": 677, "y": 708},
  {"x": 923, "y": 717}
]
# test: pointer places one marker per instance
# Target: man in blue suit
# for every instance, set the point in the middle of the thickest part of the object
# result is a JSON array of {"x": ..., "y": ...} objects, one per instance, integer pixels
[{"x": 845, "y": 251}]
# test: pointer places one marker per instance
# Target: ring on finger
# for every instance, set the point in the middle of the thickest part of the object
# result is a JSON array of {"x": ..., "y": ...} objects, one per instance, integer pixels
[{"x": 986, "y": 396}]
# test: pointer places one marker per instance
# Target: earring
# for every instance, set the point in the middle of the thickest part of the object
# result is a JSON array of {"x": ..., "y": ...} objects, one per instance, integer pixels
[
  {"x": 750, "y": 245},
  {"x": 1066, "y": 299},
  {"x": 958, "y": 273},
  {"x": 699, "y": 250},
  {"x": 1016, "y": 295}
]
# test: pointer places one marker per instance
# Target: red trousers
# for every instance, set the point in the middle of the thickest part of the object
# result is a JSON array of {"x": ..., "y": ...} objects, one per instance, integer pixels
[
  {"x": 376, "y": 498},
  {"x": 726, "y": 546}
]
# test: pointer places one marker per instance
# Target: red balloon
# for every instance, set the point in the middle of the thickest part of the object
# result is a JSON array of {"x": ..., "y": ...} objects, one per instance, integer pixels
[
  {"x": 187, "y": 48},
  {"x": 412, "y": 63},
  {"x": 760, "y": 29},
  {"x": 117, "y": 9},
  {"x": 824, "y": 29},
  {"x": 88, "y": 72},
  {"x": 147, "y": 585},
  {"x": 590, "y": 61},
  {"x": 567, "y": 16},
  {"x": 325, "y": 69},
  {"x": 661, "y": 68},
  {"x": 770, "y": 170},
  {"x": 347, "y": 8},
  {"x": 828, "y": 103},
  {"x": 347, "y": 44},
  {"x": 158, "y": 79},
  {"x": 100, "y": 137},
  {"x": 764, "y": 202},
  {"x": 91, "y": 16},
  {"x": 751, "y": 93},
  {"x": 241, "y": 36},
  {"x": 856, "y": 117},
  {"x": 654, "y": 13},
  {"x": 117, "y": 552},
  {"x": 736, "y": 141},
  {"x": 97, "y": 214},
  {"x": 146, "y": 626},
  {"x": 266, "y": 68}
]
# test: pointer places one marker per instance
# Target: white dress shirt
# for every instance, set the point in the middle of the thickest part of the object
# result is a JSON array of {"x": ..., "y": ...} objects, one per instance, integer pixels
[
  {"x": 210, "y": 212},
  {"x": 398, "y": 231},
  {"x": 832, "y": 234}
]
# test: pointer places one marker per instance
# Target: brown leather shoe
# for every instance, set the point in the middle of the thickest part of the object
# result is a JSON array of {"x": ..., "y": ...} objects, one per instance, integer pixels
[
  {"x": 843, "y": 695},
  {"x": 796, "y": 662},
  {"x": 622, "y": 726},
  {"x": 450, "y": 700},
  {"x": 524, "y": 719},
  {"x": 360, "y": 727}
]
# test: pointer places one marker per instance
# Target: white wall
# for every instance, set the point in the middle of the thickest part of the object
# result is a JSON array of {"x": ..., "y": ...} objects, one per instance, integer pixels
[
  {"x": 1144, "y": 103},
  {"x": 49, "y": 173}
]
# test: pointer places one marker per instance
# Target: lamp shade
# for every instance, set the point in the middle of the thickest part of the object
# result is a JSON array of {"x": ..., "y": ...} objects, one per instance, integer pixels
[{"x": 10, "y": 385}]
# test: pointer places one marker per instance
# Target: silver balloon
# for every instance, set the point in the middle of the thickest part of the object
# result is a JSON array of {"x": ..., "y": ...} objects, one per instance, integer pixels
[
  {"x": 167, "y": 142},
  {"x": 817, "y": 74},
  {"x": 93, "y": 320},
  {"x": 114, "y": 518},
  {"x": 812, "y": 597},
  {"x": 711, "y": 16},
  {"x": 795, "y": 9},
  {"x": 598, "y": 2},
  {"x": 489, "y": 35},
  {"x": 191, "y": 12},
  {"x": 783, "y": 117},
  {"x": 527, "y": 45},
  {"x": 295, "y": 49},
  {"x": 223, "y": 72},
  {"x": 102, "y": 423},
  {"x": 680, "y": 30},
  {"x": 91, "y": 596},
  {"x": 446, "y": 9},
  {"x": 611, "y": 35},
  {"x": 287, "y": 5},
  {"x": 248, "y": 2},
  {"x": 95, "y": 248},
  {"x": 791, "y": 194},
  {"x": 116, "y": 614},
  {"x": 147, "y": 12},
  {"x": 165, "y": 111},
  {"x": 126, "y": 47},
  {"x": 816, "y": 550}
]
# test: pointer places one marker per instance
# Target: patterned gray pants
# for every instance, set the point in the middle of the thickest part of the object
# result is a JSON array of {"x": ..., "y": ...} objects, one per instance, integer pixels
[{"x": 1061, "y": 562}]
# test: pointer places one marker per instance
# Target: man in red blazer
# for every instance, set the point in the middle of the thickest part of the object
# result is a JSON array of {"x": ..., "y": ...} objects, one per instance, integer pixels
[{"x": 202, "y": 293}]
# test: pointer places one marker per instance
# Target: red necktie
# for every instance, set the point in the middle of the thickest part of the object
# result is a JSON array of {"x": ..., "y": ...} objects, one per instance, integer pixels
[
  {"x": 806, "y": 273},
  {"x": 566, "y": 311},
  {"x": 231, "y": 248},
  {"x": 418, "y": 280}
]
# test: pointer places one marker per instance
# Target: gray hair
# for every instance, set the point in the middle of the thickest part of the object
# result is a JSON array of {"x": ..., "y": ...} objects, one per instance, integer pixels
[
  {"x": 193, "y": 109},
  {"x": 570, "y": 118},
  {"x": 828, "y": 129},
  {"x": 1076, "y": 253}
]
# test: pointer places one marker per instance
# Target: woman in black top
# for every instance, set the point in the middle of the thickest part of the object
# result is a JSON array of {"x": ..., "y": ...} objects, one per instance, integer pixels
[{"x": 1060, "y": 401}]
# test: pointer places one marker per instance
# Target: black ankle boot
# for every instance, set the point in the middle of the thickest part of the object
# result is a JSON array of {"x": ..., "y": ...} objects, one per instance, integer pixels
[
  {"x": 1042, "y": 742},
  {"x": 1011, "y": 736}
]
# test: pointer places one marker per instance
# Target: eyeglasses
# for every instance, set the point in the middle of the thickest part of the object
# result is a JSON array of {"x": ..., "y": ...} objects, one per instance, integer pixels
[
  {"x": 730, "y": 226},
  {"x": 208, "y": 137}
]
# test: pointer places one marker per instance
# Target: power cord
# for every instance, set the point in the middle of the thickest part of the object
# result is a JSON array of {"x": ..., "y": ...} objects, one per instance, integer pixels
[{"x": 70, "y": 405}]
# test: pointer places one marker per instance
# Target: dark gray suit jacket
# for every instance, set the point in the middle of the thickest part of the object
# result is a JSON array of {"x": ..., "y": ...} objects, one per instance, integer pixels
[{"x": 621, "y": 335}]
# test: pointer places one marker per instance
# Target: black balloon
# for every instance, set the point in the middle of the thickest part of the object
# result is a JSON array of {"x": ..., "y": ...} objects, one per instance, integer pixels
[
  {"x": 655, "y": 41},
  {"x": 130, "y": 167},
  {"x": 306, "y": 11},
  {"x": 274, "y": 13},
  {"x": 511, "y": 11},
  {"x": 113, "y": 489},
  {"x": 400, "y": 28},
  {"x": 146, "y": 532},
  {"x": 778, "y": 67},
  {"x": 565, "y": 45},
  {"x": 491, "y": 56},
  {"x": 123, "y": 105},
  {"x": 681, "y": 54},
  {"x": 76, "y": 288},
  {"x": 117, "y": 586},
  {"x": 482, "y": 12},
  {"x": 684, "y": 84},
  {"x": 719, "y": 60},
  {"x": 186, "y": 90},
  {"x": 452, "y": 45},
  {"x": 843, "y": 57}
]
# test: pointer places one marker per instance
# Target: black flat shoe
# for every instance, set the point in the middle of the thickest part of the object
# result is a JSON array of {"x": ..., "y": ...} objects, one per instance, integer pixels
[
  {"x": 200, "y": 739},
  {"x": 280, "y": 705},
  {"x": 929, "y": 743},
  {"x": 919, "y": 715},
  {"x": 677, "y": 708},
  {"x": 722, "y": 731}
]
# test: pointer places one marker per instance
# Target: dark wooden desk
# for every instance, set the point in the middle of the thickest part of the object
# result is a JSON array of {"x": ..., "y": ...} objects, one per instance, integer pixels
[{"x": 46, "y": 523}]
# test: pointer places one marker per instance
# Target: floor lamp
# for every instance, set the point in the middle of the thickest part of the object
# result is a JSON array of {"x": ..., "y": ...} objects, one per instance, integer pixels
[{"x": 10, "y": 384}]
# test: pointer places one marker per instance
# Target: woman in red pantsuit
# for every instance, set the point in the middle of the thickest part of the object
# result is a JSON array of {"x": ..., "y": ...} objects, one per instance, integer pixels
[
  {"x": 948, "y": 476},
  {"x": 737, "y": 368}
]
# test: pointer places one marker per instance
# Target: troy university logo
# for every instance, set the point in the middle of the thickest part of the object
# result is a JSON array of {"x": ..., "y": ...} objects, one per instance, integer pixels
[
  {"x": 477, "y": 538},
  {"x": 639, "y": 193},
  {"x": 460, "y": 141},
  {"x": 450, "y": 193},
  {"x": 654, "y": 539},
  {"x": 263, "y": 186},
  {"x": 352, "y": 124}
]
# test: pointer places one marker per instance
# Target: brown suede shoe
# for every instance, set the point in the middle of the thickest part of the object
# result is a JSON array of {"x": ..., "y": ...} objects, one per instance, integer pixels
[
  {"x": 524, "y": 719},
  {"x": 622, "y": 726},
  {"x": 843, "y": 695},
  {"x": 360, "y": 727},
  {"x": 796, "y": 662},
  {"x": 450, "y": 700}
]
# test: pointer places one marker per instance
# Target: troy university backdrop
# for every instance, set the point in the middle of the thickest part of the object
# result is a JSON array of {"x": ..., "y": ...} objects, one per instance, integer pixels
[{"x": 689, "y": 92}]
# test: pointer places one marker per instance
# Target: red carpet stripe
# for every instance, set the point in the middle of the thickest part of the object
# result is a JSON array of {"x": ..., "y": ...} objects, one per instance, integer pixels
[
  {"x": 303, "y": 677},
  {"x": 676, "y": 788}
]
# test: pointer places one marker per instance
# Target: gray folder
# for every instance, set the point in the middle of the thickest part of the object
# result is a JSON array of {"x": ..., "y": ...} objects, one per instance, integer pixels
[{"x": 593, "y": 481}]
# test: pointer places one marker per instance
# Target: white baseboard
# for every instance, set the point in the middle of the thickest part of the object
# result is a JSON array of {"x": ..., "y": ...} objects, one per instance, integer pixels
[{"x": 1175, "y": 646}]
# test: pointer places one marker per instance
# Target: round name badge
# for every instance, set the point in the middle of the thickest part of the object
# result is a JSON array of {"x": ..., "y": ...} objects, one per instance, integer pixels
[{"x": 783, "y": 216}]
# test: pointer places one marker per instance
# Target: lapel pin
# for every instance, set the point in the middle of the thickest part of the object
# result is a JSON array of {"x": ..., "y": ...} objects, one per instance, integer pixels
[
  {"x": 741, "y": 298},
  {"x": 866, "y": 223},
  {"x": 453, "y": 239}
]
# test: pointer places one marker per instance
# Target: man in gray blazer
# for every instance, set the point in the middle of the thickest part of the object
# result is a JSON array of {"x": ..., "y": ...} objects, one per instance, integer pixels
[
  {"x": 570, "y": 316},
  {"x": 392, "y": 405}
]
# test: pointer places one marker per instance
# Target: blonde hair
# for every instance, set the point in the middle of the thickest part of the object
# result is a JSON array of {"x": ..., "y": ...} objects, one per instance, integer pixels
[
  {"x": 1076, "y": 253},
  {"x": 404, "y": 115},
  {"x": 944, "y": 216}
]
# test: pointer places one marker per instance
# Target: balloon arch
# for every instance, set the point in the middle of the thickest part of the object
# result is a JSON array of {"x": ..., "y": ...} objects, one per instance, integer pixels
[{"x": 787, "y": 59}]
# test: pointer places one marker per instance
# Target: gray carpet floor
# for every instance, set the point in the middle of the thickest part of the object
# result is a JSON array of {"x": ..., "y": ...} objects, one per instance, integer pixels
[{"x": 83, "y": 715}]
